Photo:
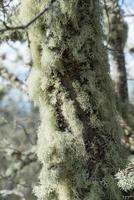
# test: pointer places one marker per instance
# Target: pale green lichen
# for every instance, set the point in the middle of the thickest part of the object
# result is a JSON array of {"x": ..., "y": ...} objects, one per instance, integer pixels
[
  {"x": 70, "y": 115},
  {"x": 50, "y": 62},
  {"x": 68, "y": 83},
  {"x": 34, "y": 83},
  {"x": 125, "y": 178}
]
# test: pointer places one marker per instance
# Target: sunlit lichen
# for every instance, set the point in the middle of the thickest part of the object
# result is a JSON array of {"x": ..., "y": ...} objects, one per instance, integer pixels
[{"x": 70, "y": 84}]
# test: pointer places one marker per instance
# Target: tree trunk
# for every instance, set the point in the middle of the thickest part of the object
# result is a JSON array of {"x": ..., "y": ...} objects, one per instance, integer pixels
[
  {"x": 78, "y": 139},
  {"x": 117, "y": 35}
]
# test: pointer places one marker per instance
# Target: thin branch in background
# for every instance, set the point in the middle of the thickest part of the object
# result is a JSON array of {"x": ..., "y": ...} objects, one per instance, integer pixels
[
  {"x": 127, "y": 8},
  {"x": 26, "y": 134},
  {"x": 130, "y": 79},
  {"x": 4, "y": 73},
  {"x": 4, "y": 11},
  {"x": 31, "y": 63},
  {"x": 122, "y": 2},
  {"x": 6, "y": 193},
  {"x": 129, "y": 15},
  {"x": 12, "y": 46},
  {"x": 113, "y": 50},
  {"x": 7, "y": 5},
  {"x": 23, "y": 27}
]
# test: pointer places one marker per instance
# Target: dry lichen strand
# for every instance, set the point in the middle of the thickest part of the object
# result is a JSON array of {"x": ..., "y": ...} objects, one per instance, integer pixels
[{"x": 67, "y": 51}]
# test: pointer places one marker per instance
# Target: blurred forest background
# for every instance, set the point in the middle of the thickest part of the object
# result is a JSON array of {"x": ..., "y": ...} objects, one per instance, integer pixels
[{"x": 19, "y": 118}]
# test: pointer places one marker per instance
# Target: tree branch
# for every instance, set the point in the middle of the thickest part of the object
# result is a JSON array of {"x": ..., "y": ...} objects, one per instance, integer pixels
[
  {"x": 15, "y": 81},
  {"x": 129, "y": 15},
  {"x": 5, "y": 193},
  {"x": 22, "y": 27}
]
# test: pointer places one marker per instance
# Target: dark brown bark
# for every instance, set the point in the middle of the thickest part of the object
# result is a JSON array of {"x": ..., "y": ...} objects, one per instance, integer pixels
[{"x": 121, "y": 86}]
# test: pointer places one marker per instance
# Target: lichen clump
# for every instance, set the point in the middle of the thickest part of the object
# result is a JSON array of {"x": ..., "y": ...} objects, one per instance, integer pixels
[{"x": 125, "y": 178}]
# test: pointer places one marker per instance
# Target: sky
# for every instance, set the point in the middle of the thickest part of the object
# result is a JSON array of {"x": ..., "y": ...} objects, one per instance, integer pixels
[{"x": 130, "y": 2}]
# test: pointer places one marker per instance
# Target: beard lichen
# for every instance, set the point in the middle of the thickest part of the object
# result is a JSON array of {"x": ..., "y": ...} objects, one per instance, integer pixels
[{"x": 70, "y": 84}]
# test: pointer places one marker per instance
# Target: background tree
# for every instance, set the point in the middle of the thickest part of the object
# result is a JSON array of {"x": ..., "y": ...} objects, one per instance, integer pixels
[
  {"x": 117, "y": 36},
  {"x": 116, "y": 30}
]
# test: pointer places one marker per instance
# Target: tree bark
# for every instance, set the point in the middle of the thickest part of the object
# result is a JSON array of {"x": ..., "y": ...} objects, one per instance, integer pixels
[
  {"x": 78, "y": 139},
  {"x": 117, "y": 35}
]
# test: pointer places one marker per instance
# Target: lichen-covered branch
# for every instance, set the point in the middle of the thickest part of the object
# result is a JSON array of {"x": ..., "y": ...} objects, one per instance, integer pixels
[
  {"x": 78, "y": 140},
  {"x": 29, "y": 23}
]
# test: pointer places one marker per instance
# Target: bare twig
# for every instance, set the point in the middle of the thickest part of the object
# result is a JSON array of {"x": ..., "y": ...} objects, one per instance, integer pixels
[
  {"x": 5, "y": 193},
  {"x": 129, "y": 15},
  {"x": 15, "y": 81},
  {"x": 130, "y": 79},
  {"x": 26, "y": 134}
]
